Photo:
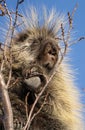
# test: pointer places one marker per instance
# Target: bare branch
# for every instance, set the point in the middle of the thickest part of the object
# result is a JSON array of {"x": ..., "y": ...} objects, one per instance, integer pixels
[
  {"x": 26, "y": 105},
  {"x": 20, "y": 1},
  {"x": 76, "y": 41},
  {"x": 8, "y": 119},
  {"x": 8, "y": 115},
  {"x": 74, "y": 10},
  {"x": 35, "y": 114}
]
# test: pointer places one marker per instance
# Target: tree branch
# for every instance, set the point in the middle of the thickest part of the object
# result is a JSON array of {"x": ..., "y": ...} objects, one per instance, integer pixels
[{"x": 8, "y": 115}]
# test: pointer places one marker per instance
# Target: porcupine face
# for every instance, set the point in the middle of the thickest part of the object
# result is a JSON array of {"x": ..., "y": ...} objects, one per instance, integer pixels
[{"x": 46, "y": 52}]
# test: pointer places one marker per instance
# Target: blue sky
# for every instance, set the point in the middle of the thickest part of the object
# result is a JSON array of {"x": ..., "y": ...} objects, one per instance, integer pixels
[{"x": 78, "y": 50}]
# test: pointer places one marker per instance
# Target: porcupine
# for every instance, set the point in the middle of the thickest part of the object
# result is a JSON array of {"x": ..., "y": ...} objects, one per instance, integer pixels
[{"x": 38, "y": 43}]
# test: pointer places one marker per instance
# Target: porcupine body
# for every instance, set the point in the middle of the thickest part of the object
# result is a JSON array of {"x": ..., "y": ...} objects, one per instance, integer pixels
[{"x": 38, "y": 44}]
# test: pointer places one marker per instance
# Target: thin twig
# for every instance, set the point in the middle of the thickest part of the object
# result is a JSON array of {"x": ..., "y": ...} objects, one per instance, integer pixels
[
  {"x": 74, "y": 10},
  {"x": 26, "y": 105},
  {"x": 35, "y": 114},
  {"x": 76, "y": 41}
]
